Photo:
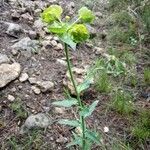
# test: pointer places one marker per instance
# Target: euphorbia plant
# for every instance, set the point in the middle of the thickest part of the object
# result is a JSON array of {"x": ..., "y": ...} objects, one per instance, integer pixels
[{"x": 71, "y": 33}]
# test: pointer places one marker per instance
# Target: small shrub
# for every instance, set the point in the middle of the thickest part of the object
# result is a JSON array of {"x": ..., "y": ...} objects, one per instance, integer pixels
[
  {"x": 122, "y": 102},
  {"x": 103, "y": 83},
  {"x": 147, "y": 76},
  {"x": 141, "y": 130}
]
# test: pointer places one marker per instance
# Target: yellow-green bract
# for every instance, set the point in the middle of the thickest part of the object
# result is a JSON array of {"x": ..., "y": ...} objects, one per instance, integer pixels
[
  {"x": 79, "y": 33},
  {"x": 86, "y": 15},
  {"x": 52, "y": 13}
]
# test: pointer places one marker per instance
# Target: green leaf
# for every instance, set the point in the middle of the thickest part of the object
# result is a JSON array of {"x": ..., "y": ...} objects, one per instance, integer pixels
[
  {"x": 66, "y": 102},
  {"x": 77, "y": 141},
  {"x": 79, "y": 33},
  {"x": 93, "y": 136},
  {"x": 86, "y": 15},
  {"x": 58, "y": 28},
  {"x": 83, "y": 86},
  {"x": 87, "y": 111},
  {"x": 52, "y": 13},
  {"x": 73, "y": 123},
  {"x": 66, "y": 38}
]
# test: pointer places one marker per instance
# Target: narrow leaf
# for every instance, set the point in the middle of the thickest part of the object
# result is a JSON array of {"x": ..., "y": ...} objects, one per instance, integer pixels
[
  {"x": 77, "y": 141},
  {"x": 87, "y": 111},
  {"x": 93, "y": 136},
  {"x": 73, "y": 123},
  {"x": 66, "y": 103},
  {"x": 83, "y": 86}
]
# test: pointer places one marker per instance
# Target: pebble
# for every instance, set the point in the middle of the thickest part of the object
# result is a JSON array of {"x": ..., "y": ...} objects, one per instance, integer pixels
[
  {"x": 11, "y": 98},
  {"x": 23, "y": 77},
  {"x": 59, "y": 110},
  {"x": 36, "y": 90}
]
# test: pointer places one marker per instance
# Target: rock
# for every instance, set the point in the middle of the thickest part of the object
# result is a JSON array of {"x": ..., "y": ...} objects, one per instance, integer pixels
[
  {"x": 46, "y": 44},
  {"x": 36, "y": 90},
  {"x": 53, "y": 43},
  {"x": 39, "y": 120},
  {"x": 59, "y": 110},
  {"x": 37, "y": 12},
  {"x": 99, "y": 50},
  {"x": 13, "y": 29},
  {"x": 98, "y": 14},
  {"x": 38, "y": 24},
  {"x": 62, "y": 139},
  {"x": 14, "y": 52},
  {"x": 11, "y": 98},
  {"x": 9, "y": 73},
  {"x": 93, "y": 31},
  {"x": 23, "y": 77},
  {"x": 15, "y": 15},
  {"x": 44, "y": 86},
  {"x": 26, "y": 46},
  {"x": 59, "y": 46},
  {"x": 32, "y": 80},
  {"x": 27, "y": 17},
  {"x": 62, "y": 62},
  {"x": 32, "y": 34},
  {"x": 3, "y": 58}
]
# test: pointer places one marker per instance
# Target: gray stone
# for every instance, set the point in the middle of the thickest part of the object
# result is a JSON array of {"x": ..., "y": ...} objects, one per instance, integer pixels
[
  {"x": 38, "y": 24},
  {"x": 26, "y": 46},
  {"x": 9, "y": 73},
  {"x": 39, "y": 120},
  {"x": 3, "y": 58},
  {"x": 13, "y": 29}
]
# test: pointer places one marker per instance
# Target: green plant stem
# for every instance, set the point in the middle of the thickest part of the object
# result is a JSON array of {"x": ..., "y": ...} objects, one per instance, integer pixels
[{"x": 78, "y": 95}]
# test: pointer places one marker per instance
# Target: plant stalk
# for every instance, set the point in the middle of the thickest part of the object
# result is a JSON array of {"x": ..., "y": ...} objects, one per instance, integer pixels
[{"x": 78, "y": 95}]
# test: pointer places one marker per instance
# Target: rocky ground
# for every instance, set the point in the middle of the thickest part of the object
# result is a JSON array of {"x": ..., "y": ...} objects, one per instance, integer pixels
[{"x": 33, "y": 75}]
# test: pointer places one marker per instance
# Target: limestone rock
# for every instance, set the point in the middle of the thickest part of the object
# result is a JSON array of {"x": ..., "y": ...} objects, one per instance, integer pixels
[
  {"x": 9, "y": 73},
  {"x": 23, "y": 77}
]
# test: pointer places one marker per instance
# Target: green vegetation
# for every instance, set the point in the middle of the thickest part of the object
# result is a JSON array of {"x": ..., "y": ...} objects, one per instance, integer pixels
[
  {"x": 141, "y": 130},
  {"x": 71, "y": 34},
  {"x": 122, "y": 102},
  {"x": 29, "y": 141},
  {"x": 103, "y": 83},
  {"x": 17, "y": 107},
  {"x": 147, "y": 76}
]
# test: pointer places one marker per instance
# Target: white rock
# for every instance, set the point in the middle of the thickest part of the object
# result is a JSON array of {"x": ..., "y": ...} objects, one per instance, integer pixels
[
  {"x": 23, "y": 77},
  {"x": 59, "y": 110},
  {"x": 11, "y": 98},
  {"x": 3, "y": 58},
  {"x": 9, "y": 73},
  {"x": 62, "y": 62},
  {"x": 36, "y": 90},
  {"x": 44, "y": 86}
]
